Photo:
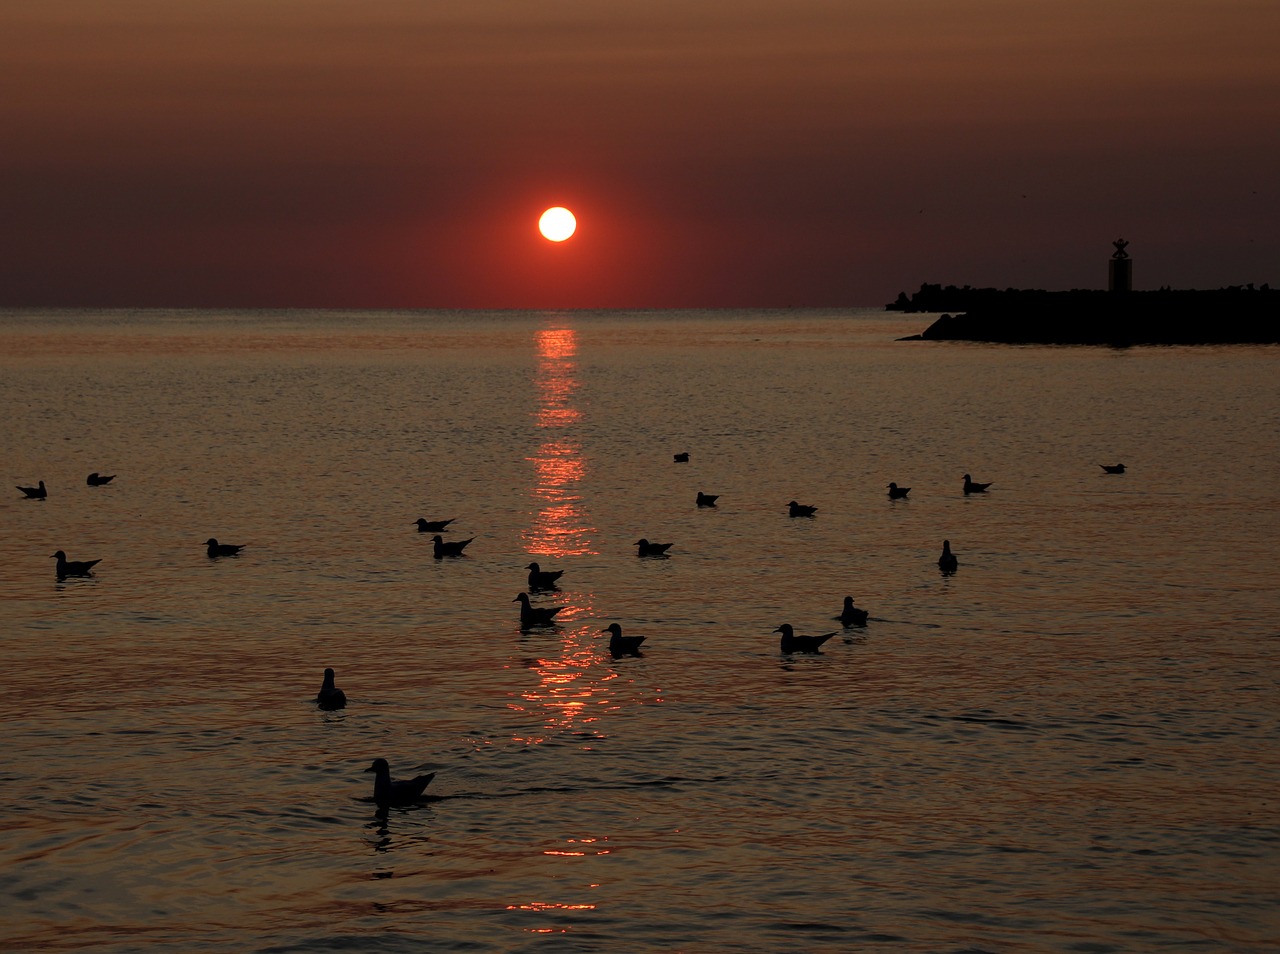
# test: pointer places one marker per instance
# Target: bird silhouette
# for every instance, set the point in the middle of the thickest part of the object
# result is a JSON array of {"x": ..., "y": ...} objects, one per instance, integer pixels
[
  {"x": 330, "y": 697},
  {"x": 433, "y": 526},
  {"x": 216, "y": 549},
  {"x": 707, "y": 500},
  {"x": 97, "y": 480},
  {"x": 682, "y": 457},
  {"x": 535, "y": 615},
  {"x": 451, "y": 549},
  {"x": 652, "y": 549},
  {"x": 1113, "y": 468},
  {"x": 388, "y": 791},
  {"x": 972, "y": 487},
  {"x": 898, "y": 493},
  {"x": 851, "y": 615},
  {"x": 67, "y": 567},
  {"x": 620, "y": 645},
  {"x": 801, "y": 510},
  {"x": 540, "y": 579},
  {"x": 791, "y": 643},
  {"x": 947, "y": 563},
  {"x": 35, "y": 493}
]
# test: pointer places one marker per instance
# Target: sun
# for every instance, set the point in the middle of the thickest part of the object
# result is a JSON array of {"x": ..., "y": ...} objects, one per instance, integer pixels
[{"x": 557, "y": 224}]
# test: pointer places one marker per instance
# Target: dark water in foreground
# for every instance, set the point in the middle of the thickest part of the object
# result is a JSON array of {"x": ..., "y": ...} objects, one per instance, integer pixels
[{"x": 1070, "y": 745}]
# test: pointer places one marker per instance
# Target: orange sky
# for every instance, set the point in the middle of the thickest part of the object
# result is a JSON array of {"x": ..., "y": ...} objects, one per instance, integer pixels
[{"x": 814, "y": 152}]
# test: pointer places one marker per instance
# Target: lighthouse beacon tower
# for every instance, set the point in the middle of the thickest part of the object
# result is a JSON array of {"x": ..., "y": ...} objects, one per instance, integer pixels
[{"x": 1120, "y": 270}]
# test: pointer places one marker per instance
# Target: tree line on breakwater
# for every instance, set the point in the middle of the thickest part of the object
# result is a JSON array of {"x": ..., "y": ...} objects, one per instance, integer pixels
[{"x": 1239, "y": 314}]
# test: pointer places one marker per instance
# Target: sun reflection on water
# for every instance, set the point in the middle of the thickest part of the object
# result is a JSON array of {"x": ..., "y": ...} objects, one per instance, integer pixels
[{"x": 560, "y": 525}]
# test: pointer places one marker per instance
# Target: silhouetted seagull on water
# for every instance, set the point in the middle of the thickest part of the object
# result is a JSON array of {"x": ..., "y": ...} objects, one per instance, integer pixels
[
  {"x": 620, "y": 645},
  {"x": 535, "y": 615},
  {"x": 330, "y": 696},
  {"x": 97, "y": 480},
  {"x": 35, "y": 493},
  {"x": 453, "y": 548},
  {"x": 898, "y": 493},
  {"x": 540, "y": 579},
  {"x": 791, "y": 643},
  {"x": 851, "y": 615},
  {"x": 801, "y": 510},
  {"x": 971, "y": 487},
  {"x": 682, "y": 457},
  {"x": 433, "y": 526},
  {"x": 73, "y": 567},
  {"x": 1113, "y": 468},
  {"x": 707, "y": 500},
  {"x": 388, "y": 791},
  {"x": 216, "y": 549},
  {"x": 947, "y": 563},
  {"x": 652, "y": 549}
]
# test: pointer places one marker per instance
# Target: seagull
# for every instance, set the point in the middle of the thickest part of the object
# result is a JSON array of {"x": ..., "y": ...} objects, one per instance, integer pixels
[
  {"x": 801, "y": 510},
  {"x": 540, "y": 579},
  {"x": 387, "y": 792},
  {"x": 535, "y": 615},
  {"x": 851, "y": 615},
  {"x": 652, "y": 549},
  {"x": 216, "y": 549},
  {"x": 35, "y": 493},
  {"x": 974, "y": 488},
  {"x": 1113, "y": 468},
  {"x": 898, "y": 493},
  {"x": 682, "y": 457},
  {"x": 97, "y": 480},
  {"x": 330, "y": 696},
  {"x": 433, "y": 526},
  {"x": 947, "y": 563},
  {"x": 620, "y": 645},
  {"x": 453, "y": 548},
  {"x": 73, "y": 567},
  {"x": 791, "y": 643},
  {"x": 707, "y": 500}
]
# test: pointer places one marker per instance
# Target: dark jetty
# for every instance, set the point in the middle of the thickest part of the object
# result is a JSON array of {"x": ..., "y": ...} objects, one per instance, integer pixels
[{"x": 1240, "y": 314}]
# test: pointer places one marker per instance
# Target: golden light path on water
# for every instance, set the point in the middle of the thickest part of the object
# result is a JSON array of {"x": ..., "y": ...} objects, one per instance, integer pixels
[
  {"x": 560, "y": 526},
  {"x": 573, "y": 683}
]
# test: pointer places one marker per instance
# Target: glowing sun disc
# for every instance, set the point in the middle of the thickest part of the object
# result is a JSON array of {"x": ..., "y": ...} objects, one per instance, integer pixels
[{"x": 557, "y": 224}]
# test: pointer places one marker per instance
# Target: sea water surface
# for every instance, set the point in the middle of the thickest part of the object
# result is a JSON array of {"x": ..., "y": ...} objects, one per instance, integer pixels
[{"x": 1069, "y": 745}]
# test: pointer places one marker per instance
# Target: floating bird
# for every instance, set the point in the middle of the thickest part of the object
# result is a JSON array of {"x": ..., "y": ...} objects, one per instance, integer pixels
[
  {"x": 620, "y": 645},
  {"x": 974, "y": 488},
  {"x": 330, "y": 696},
  {"x": 433, "y": 526},
  {"x": 851, "y": 615},
  {"x": 388, "y": 791},
  {"x": 535, "y": 615},
  {"x": 97, "y": 480},
  {"x": 73, "y": 567},
  {"x": 1113, "y": 468},
  {"x": 454, "y": 548},
  {"x": 35, "y": 493},
  {"x": 898, "y": 493},
  {"x": 682, "y": 457},
  {"x": 801, "y": 510},
  {"x": 216, "y": 549},
  {"x": 652, "y": 549},
  {"x": 947, "y": 563},
  {"x": 707, "y": 500},
  {"x": 791, "y": 643},
  {"x": 540, "y": 579}
]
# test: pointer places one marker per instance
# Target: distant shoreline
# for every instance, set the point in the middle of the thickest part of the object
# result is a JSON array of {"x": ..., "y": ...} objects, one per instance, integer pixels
[{"x": 1240, "y": 314}]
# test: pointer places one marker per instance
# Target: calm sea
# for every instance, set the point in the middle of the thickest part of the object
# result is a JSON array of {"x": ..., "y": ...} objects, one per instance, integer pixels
[{"x": 1072, "y": 744}]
